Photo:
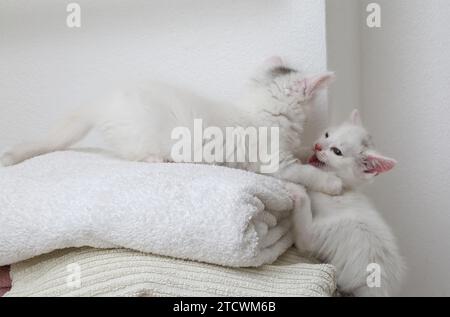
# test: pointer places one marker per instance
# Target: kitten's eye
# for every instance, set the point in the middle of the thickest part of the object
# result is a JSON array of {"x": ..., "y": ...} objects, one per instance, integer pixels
[
  {"x": 336, "y": 151},
  {"x": 327, "y": 135}
]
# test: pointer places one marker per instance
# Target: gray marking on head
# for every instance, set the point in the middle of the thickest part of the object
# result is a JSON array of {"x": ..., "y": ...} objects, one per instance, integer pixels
[{"x": 281, "y": 71}]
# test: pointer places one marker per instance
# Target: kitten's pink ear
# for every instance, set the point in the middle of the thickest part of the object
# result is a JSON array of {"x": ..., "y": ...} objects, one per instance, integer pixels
[
  {"x": 318, "y": 82},
  {"x": 377, "y": 164},
  {"x": 355, "y": 118},
  {"x": 274, "y": 61}
]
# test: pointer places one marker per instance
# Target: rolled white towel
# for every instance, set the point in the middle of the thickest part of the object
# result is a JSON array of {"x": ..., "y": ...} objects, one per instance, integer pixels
[{"x": 206, "y": 213}]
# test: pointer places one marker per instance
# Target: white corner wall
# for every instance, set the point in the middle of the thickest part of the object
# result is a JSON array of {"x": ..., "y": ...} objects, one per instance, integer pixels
[
  {"x": 210, "y": 46},
  {"x": 404, "y": 93},
  {"x": 344, "y": 58},
  {"x": 406, "y": 98}
]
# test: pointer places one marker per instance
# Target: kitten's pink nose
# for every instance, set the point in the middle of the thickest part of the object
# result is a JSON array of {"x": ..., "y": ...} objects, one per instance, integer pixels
[{"x": 318, "y": 147}]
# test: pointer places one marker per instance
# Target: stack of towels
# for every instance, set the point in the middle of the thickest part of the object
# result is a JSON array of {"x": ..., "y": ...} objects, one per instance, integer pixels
[
  {"x": 204, "y": 213},
  {"x": 151, "y": 229}
]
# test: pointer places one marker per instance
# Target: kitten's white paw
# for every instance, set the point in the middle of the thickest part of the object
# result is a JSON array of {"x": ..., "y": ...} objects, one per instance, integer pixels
[
  {"x": 297, "y": 192},
  {"x": 7, "y": 159},
  {"x": 333, "y": 185}
]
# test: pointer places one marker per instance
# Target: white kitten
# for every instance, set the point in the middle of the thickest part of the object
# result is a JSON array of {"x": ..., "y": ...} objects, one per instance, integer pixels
[
  {"x": 347, "y": 231},
  {"x": 138, "y": 122}
]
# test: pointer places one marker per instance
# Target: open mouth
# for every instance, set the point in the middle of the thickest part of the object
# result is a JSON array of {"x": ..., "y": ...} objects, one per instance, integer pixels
[{"x": 314, "y": 161}]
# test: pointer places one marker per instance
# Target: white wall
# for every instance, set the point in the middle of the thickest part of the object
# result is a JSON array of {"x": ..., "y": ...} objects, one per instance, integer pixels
[
  {"x": 209, "y": 45},
  {"x": 406, "y": 96},
  {"x": 344, "y": 58},
  {"x": 405, "y": 100}
]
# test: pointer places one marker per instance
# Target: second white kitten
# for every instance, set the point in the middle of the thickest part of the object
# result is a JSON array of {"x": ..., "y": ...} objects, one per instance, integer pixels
[{"x": 347, "y": 230}]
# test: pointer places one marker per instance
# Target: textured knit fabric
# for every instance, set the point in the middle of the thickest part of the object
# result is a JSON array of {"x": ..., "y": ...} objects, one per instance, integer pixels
[{"x": 120, "y": 272}]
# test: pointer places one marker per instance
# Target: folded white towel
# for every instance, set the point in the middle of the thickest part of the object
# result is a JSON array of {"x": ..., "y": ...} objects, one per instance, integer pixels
[{"x": 198, "y": 212}]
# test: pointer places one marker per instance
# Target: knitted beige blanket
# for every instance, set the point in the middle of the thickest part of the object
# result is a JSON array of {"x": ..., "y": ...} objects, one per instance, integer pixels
[{"x": 121, "y": 272}]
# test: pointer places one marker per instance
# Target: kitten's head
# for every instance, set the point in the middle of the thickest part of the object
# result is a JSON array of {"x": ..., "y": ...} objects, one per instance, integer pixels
[
  {"x": 348, "y": 151},
  {"x": 281, "y": 89}
]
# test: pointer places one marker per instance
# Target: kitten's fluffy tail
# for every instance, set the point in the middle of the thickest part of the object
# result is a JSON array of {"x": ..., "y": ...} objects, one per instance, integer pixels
[{"x": 72, "y": 130}]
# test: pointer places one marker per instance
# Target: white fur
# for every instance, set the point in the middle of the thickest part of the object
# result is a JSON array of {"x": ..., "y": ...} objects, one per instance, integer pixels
[
  {"x": 347, "y": 231},
  {"x": 137, "y": 121}
]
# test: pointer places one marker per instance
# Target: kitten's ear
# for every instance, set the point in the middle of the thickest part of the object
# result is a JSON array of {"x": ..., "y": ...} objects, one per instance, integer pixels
[
  {"x": 261, "y": 72},
  {"x": 375, "y": 164},
  {"x": 272, "y": 62},
  {"x": 318, "y": 82},
  {"x": 355, "y": 118}
]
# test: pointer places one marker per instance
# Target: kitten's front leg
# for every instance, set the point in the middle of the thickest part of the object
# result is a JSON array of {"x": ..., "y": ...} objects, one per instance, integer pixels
[
  {"x": 302, "y": 217},
  {"x": 313, "y": 178}
]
